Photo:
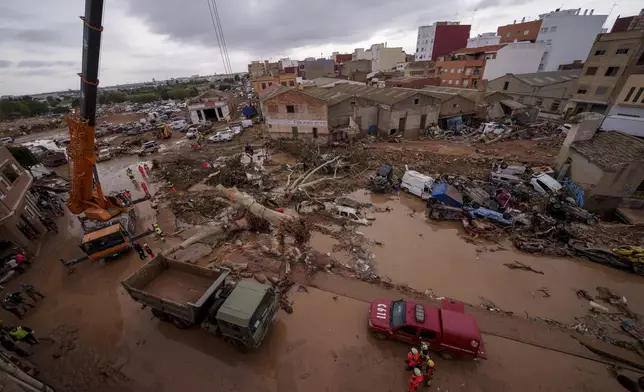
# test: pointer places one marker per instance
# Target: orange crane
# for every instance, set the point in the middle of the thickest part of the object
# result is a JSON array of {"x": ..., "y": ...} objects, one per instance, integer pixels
[
  {"x": 85, "y": 192},
  {"x": 111, "y": 237}
]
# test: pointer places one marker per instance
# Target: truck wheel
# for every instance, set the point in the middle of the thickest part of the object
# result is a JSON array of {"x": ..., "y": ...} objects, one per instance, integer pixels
[
  {"x": 446, "y": 355},
  {"x": 160, "y": 315},
  {"x": 180, "y": 323},
  {"x": 239, "y": 345},
  {"x": 380, "y": 336}
]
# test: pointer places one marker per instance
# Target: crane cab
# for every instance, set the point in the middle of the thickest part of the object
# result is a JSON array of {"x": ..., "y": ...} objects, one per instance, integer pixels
[{"x": 106, "y": 242}]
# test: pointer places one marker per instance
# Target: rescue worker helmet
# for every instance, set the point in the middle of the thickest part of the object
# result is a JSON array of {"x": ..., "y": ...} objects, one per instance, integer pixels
[
  {"x": 417, "y": 372},
  {"x": 424, "y": 346},
  {"x": 414, "y": 351}
]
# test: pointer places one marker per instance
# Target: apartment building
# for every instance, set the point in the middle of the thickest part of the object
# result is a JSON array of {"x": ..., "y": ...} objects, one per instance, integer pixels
[
  {"x": 256, "y": 68},
  {"x": 629, "y": 23},
  {"x": 420, "y": 69},
  {"x": 568, "y": 36},
  {"x": 350, "y": 67},
  {"x": 287, "y": 62},
  {"x": 515, "y": 57},
  {"x": 362, "y": 54},
  {"x": 485, "y": 39},
  {"x": 465, "y": 67},
  {"x": 319, "y": 68},
  {"x": 19, "y": 212},
  {"x": 261, "y": 83},
  {"x": 612, "y": 59},
  {"x": 386, "y": 59},
  {"x": 627, "y": 113},
  {"x": 440, "y": 39},
  {"x": 523, "y": 31}
]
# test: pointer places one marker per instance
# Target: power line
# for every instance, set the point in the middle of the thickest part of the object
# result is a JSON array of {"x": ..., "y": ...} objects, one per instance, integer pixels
[
  {"x": 214, "y": 26},
  {"x": 221, "y": 34}
]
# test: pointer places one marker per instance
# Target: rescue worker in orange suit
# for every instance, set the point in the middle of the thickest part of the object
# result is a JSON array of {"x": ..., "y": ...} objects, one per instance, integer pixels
[
  {"x": 415, "y": 380},
  {"x": 413, "y": 358},
  {"x": 430, "y": 371}
]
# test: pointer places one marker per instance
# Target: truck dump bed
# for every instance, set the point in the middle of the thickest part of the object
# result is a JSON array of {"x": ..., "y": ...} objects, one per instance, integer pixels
[{"x": 179, "y": 289}]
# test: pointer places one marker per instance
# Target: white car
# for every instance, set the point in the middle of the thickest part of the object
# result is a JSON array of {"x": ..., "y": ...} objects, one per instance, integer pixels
[
  {"x": 225, "y": 136},
  {"x": 191, "y": 134},
  {"x": 236, "y": 129}
]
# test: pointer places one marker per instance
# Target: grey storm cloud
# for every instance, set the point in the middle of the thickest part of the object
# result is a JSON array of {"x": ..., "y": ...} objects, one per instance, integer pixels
[
  {"x": 4, "y": 63},
  {"x": 265, "y": 27},
  {"x": 43, "y": 64}
]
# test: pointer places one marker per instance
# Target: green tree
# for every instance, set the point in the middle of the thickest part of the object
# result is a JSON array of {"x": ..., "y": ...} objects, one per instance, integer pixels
[
  {"x": 179, "y": 93},
  {"x": 24, "y": 157},
  {"x": 237, "y": 78},
  {"x": 24, "y": 109}
]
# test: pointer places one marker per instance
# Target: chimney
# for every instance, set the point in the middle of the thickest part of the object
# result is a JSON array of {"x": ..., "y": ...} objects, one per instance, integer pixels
[
  {"x": 515, "y": 22},
  {"x": 592, "y": 11},
  {"x": 523, "y": 19},
  {"x": 586, "y": 11},
  {"x": 578, "y": 11}
]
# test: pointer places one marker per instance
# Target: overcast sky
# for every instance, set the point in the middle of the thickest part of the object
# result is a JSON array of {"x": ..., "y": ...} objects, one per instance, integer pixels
[{"x": 40, "y": 45}]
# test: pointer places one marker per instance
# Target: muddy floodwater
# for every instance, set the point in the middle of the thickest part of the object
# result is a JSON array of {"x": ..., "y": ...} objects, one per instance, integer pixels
[{"x": 430, "y": 255}]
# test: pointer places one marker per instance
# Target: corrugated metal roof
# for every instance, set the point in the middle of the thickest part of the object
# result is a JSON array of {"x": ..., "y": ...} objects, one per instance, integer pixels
[
  {"x": 539, "y": 79},
  {"x": 329, "y": 95},
  {"x": 512, "y": 104},
  {"x": 386, "y": 96}
]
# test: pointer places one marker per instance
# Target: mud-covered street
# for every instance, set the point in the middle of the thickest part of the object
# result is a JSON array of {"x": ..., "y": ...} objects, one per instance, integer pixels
[{"x": 95, "y": 337}]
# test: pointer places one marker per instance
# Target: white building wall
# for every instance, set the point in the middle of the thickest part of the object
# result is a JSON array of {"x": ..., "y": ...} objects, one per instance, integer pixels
[
  {"x": 287, "y": 62},
  {"x": 516, "y": 58},
  {"x": 425, "y": 43},
  {"x": 484, "y": 39},
  {"x": 571, "y": 39},
  {"x": 384, "y": 59}
]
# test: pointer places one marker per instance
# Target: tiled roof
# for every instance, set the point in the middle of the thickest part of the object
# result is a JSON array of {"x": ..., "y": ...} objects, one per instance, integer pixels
[
  {"x": 610, "y": 149},
  {"x": 540, "y": 79}
]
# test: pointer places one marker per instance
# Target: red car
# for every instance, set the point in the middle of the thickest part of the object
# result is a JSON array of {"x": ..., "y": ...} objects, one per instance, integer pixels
[{"x": 447, "y": 330}]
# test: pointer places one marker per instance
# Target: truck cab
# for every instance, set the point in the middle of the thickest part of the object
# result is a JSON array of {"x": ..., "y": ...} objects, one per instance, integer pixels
[
  {"x": 245, "y": 315},
  {"x": 447, "y": 329}
]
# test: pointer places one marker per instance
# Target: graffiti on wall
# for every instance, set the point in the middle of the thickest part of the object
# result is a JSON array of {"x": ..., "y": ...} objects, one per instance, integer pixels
[{"x": 574, "y": 191}]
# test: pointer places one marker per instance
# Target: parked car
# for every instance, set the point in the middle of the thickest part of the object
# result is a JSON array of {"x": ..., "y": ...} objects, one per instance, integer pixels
[
  {"x": 236, "y": 129},
  {"x": 225, "y": 136},
  {"x": 6, "y": 140},
  {"x": 149, "y": 148},
  {"x": 417, "y": 184},
  {"x": 192, "y": 133},
  {"x": 448, "y": 329}
]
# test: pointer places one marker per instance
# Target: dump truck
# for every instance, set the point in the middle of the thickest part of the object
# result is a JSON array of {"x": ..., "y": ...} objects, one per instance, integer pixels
[{"x": 186, "y": 295}]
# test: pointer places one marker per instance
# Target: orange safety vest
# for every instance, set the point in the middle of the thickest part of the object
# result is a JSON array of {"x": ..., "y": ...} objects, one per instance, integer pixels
[{"x": 412, "y": 359}]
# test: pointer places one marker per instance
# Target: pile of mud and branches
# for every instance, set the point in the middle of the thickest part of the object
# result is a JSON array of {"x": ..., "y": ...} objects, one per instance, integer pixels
[
  {"x": 196, "y": 208},
  {"x": 180, "y": 172}
]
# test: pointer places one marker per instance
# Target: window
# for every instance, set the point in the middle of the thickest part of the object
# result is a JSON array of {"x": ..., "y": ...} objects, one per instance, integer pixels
[
  {"x": 591, "y": 70},
  {"x": 538, "y": 102},
  {"x": 630, "y": 93},
  {"x": 263, "y": 85},
  {"x": 10, "y": 173},
  {"x": 353, "y": 103},
  {"x": 639, "y": 93},
  {"x": 315, "y": 133},
  {"x": 506, "y": 85},
  {"x": 451, "y": 70},
  {"x": 611, "y": 71},
  {"x": 526, "y": 32},
  {"x": 466, "y": 83},
  {"x": 582, "y": 90},
  {"x": 600, "y": 52},
  {"x": 555, "y": 105},
  {"x": 545, "y": 29},
  {"x": 270, "y": 84},
  {"x": 290, "y": 109},
  {"x": 398, "y": 307},
  {"x": 601, "y": 91},
  {"x": 427, "y": 335},
  {"x": 457, "y": 82},
  {"x": 460, "y": 70},
  {"x": 416, "y": 101},
  {"x": 283, "y": 84},
  {"x": 507, "y": 35},
  {"x": 294, "y": 132},
  {"x": 548, "y": 42},
  {"x": 450, "y": 81},
  {"x": 291, "y": 83},
  {"x": 553, "y": 29},
  {"x": 408, "y": 330},
  {"x": 270, "y": 125},
  {"x": 622, "y": 51},
  {"x": 540, "y": 68}
]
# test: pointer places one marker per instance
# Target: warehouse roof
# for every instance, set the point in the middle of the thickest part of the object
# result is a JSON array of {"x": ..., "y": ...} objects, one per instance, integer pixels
[
  {"x": 540, "y": 79},
  {"x": 385, "y": 96},
  {"x": 271, "y": 91},
  {"x": 610, "y": 149},
  {"x": 329, "y": 95}
]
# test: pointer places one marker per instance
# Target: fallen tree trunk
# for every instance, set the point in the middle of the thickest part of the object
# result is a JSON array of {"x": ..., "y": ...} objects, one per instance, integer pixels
[
  {"x": 245, "y": 200},
  {"x": 209, "y": 231}
]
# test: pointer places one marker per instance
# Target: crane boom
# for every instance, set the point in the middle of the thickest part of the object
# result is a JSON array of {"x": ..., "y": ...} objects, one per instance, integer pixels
[{"x": 85, "y": 192}]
